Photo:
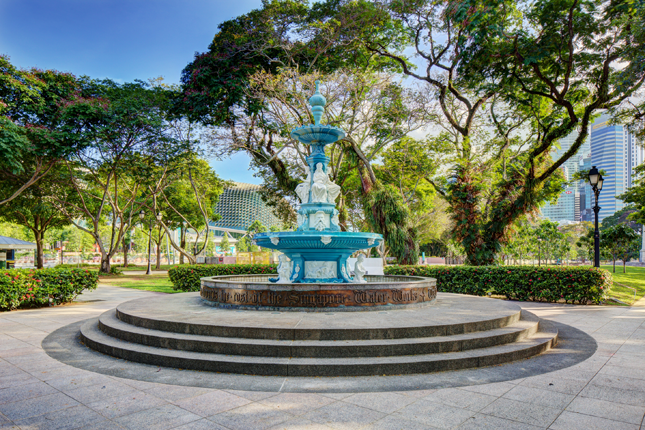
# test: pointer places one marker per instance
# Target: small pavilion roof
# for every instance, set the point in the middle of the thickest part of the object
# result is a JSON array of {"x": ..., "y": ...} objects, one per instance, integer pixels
[{"x": 11, "y": 243}]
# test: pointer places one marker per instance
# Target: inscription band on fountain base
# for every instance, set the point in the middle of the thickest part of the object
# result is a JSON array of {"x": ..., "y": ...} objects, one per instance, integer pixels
[{"x": 256, "y": 292}]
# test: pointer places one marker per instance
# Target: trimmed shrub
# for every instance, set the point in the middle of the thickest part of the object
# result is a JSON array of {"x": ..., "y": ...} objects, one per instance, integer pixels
[
  {"x": 187, "y": 277},
  {"x": 32, "y": 288},
  {"x": 524, "y": 283}
]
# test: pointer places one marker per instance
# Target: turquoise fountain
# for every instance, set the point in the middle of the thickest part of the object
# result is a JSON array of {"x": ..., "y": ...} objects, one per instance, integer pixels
[{"x": 318, "y": 249}]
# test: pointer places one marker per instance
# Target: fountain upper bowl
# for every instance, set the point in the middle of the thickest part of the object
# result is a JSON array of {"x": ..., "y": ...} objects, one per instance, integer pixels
[{"x": 320, "y": 134}]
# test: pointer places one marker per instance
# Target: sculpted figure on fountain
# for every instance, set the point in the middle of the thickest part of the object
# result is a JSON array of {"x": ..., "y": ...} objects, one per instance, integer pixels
[
  {"x": 359, "y": 270},
  {"x": 303, "y": 189},
  {"x": 323, "y": 190},
  {"x": 284, "y": 270}
]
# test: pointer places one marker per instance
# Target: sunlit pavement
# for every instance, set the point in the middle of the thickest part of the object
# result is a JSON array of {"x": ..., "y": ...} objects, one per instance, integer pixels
[{"x": 607, "y": 391}]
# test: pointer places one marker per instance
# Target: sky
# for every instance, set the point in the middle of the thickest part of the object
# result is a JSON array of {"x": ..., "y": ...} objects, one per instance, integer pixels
[{"x": 118, "y": 39}]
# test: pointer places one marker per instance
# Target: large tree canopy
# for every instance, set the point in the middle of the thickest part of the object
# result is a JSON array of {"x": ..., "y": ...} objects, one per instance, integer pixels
[
  {"x": 44, "y": 117},
  {"x": 511, "y": 79}
]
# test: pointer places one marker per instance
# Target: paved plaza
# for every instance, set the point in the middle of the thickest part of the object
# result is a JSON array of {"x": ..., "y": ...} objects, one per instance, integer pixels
[{"x": 606, "y": 391}]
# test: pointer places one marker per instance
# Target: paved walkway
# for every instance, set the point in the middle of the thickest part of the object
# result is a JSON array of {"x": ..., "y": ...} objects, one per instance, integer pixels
[{"x": 607, "y": 391}]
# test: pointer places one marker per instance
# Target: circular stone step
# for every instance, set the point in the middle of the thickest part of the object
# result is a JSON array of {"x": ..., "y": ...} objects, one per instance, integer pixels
[
  {"x": 452, "y": 314},
  {"x": 112, "y": 326},
  {"x": 181, "y": 331}
]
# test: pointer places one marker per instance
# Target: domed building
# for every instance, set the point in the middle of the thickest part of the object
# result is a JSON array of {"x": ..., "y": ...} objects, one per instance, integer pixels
[{"x": 238, "y": 207}]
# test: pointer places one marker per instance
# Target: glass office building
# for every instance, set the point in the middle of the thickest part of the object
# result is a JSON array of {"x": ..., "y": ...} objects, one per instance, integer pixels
[
  {"x": 609, "y": 153},
  {"x": 569, "y": 205}
]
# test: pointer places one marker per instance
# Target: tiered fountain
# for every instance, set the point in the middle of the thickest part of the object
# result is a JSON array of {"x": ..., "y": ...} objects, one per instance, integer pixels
[
  {"x": 318, "y": 250},
  {"x": 316, "y": 253}
]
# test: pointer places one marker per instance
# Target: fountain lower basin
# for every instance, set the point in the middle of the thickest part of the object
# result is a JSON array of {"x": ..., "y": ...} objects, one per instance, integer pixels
[
  {"x": 318, "y": 256},
  {"x": 257, "y": 292}
]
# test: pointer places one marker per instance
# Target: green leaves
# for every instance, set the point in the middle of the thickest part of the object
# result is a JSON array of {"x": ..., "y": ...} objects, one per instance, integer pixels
[
  {"x": 44, "y": 287},
  {"x": 540, "y": 284},
  {"x": 187, "y": 277}
]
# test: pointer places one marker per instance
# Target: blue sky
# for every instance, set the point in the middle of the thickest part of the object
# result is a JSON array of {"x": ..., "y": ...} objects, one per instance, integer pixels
[{"x": 118, "y": 39}]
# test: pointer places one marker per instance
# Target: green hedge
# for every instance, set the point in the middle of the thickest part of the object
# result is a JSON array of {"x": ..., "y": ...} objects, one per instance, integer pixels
[
  {"x": 548, "y": 284},
  {"x": 33, "y": 288},
  {"x": 187, "y": 277}
]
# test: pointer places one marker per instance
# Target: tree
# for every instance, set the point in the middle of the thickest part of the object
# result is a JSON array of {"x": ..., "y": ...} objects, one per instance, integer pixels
[
  {"x": 186, "y": 190},
  {"x": 105, "y": 183},
  {"x": 373, "y": 109},
  {"x": 636, "y": 196},
  {"x": 43, "y": 119},
  {"x": 32, "y": 208},
  {"x": 511, "y": 80},
  {"x": 621, "y": 242},
  {"x": 224, "y": 245}
]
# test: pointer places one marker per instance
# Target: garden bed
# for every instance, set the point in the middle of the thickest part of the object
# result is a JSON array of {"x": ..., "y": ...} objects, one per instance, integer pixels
[
  {"x": 27, "y": 288},
  {"x": 525, "y": 283}
]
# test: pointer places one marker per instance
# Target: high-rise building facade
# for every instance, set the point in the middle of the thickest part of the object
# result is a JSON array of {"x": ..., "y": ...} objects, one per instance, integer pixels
[
  {"x": 614, "y": 151},
  {"x": 569, "y": 204}
]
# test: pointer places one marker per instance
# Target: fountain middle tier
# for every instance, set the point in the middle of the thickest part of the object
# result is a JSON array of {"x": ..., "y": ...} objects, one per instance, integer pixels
[{"x": 317, "y": 256}]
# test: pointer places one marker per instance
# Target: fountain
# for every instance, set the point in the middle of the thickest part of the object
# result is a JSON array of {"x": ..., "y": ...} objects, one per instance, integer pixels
[
  {"x": 317, "y": 250},
  {"x": 313, "y": 272}
]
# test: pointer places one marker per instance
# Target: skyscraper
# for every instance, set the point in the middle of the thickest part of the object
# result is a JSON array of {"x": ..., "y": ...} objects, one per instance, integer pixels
[
  {"x": 614, "y": 151},
  {"x": 568, "y": 206}
]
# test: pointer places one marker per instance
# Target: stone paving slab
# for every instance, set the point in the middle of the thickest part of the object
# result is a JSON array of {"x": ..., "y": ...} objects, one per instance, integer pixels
[{"x": 606, "y": 390}]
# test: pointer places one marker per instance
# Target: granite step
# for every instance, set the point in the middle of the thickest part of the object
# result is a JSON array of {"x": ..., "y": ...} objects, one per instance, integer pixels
[
  {"x": 544, "y": 339},
  {"x": 452, "y": 315},
  {"x": 521, "y": 329}
]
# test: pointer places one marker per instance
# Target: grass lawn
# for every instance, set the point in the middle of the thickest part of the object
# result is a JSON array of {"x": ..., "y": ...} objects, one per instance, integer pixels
[
  {"x": 635, "y": 278},
  {"x": 155, "y": 282},
  {"x": 131, "y": 267}
]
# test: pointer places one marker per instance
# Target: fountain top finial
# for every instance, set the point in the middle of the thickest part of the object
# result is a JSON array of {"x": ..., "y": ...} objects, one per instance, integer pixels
[{"x": 317, "y": 102}]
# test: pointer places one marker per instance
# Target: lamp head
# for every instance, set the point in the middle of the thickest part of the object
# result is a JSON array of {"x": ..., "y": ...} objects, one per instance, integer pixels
[
  {"x": 142, "y": 214},
  {"x": 600, "y": 181},
  {"x": 159, "y": 216},
  {"x": 594, "y": 175}
]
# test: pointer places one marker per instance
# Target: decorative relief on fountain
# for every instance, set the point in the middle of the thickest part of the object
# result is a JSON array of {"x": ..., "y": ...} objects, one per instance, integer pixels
[
  {"x": 275, "y": 240},
  {"x": 326, "y": 240},
  {"x": 302, "y": 219},
  {"x": 370, "y": 242},
  {"x": 334, "y": 220},
  {"x": 319, "y": 221},
  {"x": 320, "y": 269}
]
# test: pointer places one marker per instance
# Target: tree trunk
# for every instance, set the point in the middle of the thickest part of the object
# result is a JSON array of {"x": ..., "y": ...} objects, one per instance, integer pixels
[
  {"x": 40, "y": 256},
  {"x": 105, "y": 263},
  {"x": 182, "y": 244},
  {"x": 158, "y": 263},
  {"x": 125, "y": 253}
]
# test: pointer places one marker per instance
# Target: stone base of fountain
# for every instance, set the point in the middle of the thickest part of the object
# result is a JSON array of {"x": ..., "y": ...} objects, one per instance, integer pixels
[
  {"x": 256, "y": 292},
  {"x": 182, "y": 331}
]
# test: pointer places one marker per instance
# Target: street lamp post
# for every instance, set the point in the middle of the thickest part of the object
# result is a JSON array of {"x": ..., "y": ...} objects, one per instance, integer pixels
[
  {"x": 596, "y": 180},
  {"x": 539, "y": 251},
  {"x": 142, "y": 215},
  {"x": 643, "y": 245}
]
